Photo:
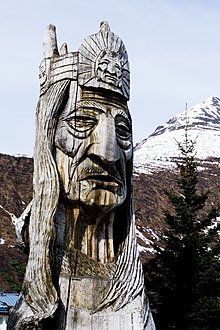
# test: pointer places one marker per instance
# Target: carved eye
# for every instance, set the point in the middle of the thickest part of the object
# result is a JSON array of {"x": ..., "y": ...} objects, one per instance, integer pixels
[
  {"x": 103, "y": 65},
  {"x": 82, "y": 123},
  {"x": 123, "y": 128},
  {"x": 117, "y": 67}
]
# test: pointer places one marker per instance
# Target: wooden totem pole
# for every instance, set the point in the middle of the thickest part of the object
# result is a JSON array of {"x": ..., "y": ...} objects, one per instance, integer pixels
[{"x": 83, "y": 270}]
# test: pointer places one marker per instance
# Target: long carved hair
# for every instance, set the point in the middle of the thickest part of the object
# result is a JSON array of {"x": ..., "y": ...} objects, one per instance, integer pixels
[{"x": 39, "y": 298}]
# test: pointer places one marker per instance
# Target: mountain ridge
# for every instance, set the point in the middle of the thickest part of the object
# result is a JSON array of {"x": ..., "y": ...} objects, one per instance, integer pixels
[
  {"x": 206, "y": 117},
  {"x": 160, "y": 149}
]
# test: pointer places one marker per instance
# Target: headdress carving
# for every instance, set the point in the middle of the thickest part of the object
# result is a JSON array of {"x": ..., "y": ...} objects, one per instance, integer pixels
[{"x": 103, "y": 62}]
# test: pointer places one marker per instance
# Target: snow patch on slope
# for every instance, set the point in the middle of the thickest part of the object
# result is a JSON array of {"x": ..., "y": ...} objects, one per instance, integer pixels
[
  {"x": 144, "y": 241},
  {"x": 13, "y": 217}
]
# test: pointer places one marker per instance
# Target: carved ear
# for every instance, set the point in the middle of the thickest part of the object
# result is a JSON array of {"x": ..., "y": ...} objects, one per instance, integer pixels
[{"x": 50, "y": 42}]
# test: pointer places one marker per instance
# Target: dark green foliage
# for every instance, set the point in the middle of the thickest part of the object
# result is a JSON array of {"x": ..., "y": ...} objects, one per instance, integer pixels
[
  {"x": 15, "y": 277},
  {"x": 183, "y": 279}
]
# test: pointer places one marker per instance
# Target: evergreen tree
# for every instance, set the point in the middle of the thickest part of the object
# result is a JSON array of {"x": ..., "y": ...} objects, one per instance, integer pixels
[{"x": 183, "y": 279}]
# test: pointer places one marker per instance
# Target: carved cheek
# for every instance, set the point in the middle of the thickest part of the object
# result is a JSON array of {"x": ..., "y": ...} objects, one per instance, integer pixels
[
  {"x": 70, "y": 144},
  {"x": 63, "y": 140}
]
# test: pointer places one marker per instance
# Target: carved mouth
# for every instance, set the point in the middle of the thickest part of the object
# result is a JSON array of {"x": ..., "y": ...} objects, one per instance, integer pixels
[
  {"x": 109, "y": 78},
  {"x": 102, "y": 178},
  {"x": 104, "y": 182}
]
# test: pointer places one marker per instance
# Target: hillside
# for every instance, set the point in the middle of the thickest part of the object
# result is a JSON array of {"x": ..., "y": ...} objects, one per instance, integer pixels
[
  {"x": 15, "y": 193},
  {"x": 150, "y": 201}
]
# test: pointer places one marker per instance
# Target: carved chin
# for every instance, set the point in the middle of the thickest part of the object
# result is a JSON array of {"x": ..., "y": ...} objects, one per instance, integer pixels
[{"x": 104, "y": 199}]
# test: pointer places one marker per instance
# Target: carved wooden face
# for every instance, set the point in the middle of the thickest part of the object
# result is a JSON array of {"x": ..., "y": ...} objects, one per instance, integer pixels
[{"x": 93, "y": 144}]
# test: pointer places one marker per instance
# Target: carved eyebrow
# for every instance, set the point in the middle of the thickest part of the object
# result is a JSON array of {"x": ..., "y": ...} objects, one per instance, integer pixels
[
  {"x": 93, "y": 105},
  {"x": 90, "y": 104},
  {"x": 87, "y": 105}
]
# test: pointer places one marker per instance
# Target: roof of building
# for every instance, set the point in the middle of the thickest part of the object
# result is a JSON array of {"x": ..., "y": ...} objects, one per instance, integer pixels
[{"x": 7, "y": 300}]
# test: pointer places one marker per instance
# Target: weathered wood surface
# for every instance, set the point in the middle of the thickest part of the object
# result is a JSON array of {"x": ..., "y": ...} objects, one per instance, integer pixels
[{"x": 83, "y": 270}]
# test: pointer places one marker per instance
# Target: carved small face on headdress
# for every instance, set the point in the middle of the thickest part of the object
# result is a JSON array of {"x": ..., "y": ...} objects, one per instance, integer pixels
[
  {"x": 103, "y": 63},
  {"x": 109, "y": 68}
]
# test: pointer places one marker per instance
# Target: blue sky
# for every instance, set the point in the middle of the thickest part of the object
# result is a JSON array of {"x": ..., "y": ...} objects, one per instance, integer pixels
[{"x": 173, "y": 49}]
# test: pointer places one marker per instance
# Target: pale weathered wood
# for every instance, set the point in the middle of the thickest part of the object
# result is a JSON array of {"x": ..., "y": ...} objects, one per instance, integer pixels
[{"x": 83, "y": 270}]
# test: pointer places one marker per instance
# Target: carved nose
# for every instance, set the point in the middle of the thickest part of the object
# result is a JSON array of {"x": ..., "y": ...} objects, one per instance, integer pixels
[
  {"x": 104, "y": 144},
  {"x": 111, "y": 68}
]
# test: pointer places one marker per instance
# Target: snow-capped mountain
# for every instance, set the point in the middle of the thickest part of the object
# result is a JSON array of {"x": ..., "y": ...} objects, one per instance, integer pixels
[{"x": 161, "y": 148}]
